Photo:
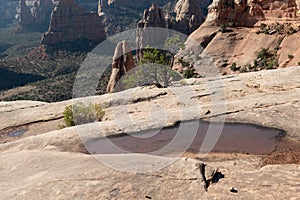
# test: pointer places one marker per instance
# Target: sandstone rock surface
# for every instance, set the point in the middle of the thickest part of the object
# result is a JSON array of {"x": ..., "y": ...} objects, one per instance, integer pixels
[
  {"x": 71, "y": 23},
  {"x": 248, "y": 33},
  {"x": 52, "y": 164}
]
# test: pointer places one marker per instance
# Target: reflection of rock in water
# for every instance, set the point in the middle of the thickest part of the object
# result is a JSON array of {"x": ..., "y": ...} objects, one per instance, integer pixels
[{"x": 237, "y": 138}]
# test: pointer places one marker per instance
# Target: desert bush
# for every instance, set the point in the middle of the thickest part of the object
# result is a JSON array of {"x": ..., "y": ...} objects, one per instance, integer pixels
[
  {"x": 233, "y": 66},
  {"x": 82, "y": 114},
  {"x": 148, "y": 74},
  {"x": 243, "y": 69},
  {"x": 290, "y": 56},
  {"x": 189, "y": 73},
  {"x": 223, "y": 28},
  {"x": 266, "y": 59},
  {"x": 291, "y": 31}
]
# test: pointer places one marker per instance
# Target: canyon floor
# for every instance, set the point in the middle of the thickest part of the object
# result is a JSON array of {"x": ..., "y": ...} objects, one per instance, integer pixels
[{"x": 44, "y": 162}]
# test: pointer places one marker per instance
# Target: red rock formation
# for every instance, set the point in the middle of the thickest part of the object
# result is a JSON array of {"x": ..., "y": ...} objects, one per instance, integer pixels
[
  {"x": 70, "y": 23},
  {"x": 122, "y": 63},
  {"x": 258, "y": 24},
  {"x": 189, "y": 16},
  {"x": 35, "y": 13},
  {"x": 153, "y": 17},
  {"x": 248, "y": 13}
]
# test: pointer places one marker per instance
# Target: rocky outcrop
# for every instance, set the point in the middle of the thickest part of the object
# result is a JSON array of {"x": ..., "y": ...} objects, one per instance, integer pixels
[
  {"x": 153, "y": 17},
  {"x": 236, "y": 33},
  {"x": 35, "y": 14},
  {"x": 70, "y": 23},
  {"x": 122, "y": 63},
  {"x": 248, "y": 13},
  {"x": 189, "y": 16}
]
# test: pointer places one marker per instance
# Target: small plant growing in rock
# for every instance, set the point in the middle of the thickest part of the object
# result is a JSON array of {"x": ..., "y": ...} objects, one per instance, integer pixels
[
  {"x": 290, "y": 56},
  {"x": 223, "y": 28},
  {"x": 299, "y": 63},
  {"x": 266, "y": 59},
  {"x": 243, "y": 69},
  {"x": 230, "y": 24},
  {"x": 291, "y": 31},
  {"x": 82, "y": 114},
  {"x": 182, "y": 62},
  {"x": 189, "y": 73},
  {"x": 233, "y": 66}
]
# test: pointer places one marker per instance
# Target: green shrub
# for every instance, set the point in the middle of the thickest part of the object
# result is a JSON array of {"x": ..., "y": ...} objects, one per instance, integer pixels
[
  {"x": 82, "y": 114},
  {"x": 233, "y": 67},
  {"x": 230, "y": 24},
  {"x": 290, "y": 56},
  {"x": 189, "y": 73},
  {"x": 182, "y": 62},
  {"x": 291, "y": 31},
  {"x": 243, "y": 69},
  {"x": 223, "y": 28},
  {"x": 266, "y": 59}
]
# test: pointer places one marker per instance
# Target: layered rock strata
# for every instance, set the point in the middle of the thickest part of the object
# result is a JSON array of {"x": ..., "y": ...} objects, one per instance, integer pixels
[{"x": 71, "y": 23}]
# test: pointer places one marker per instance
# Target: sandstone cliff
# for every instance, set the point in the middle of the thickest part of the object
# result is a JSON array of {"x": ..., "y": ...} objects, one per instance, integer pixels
[
  {"x": 71, "y": 23},
  {"x": 122, "y": 63},
  {"x": 35, "y": 14},
  {"x": 241, "y": 36}
]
